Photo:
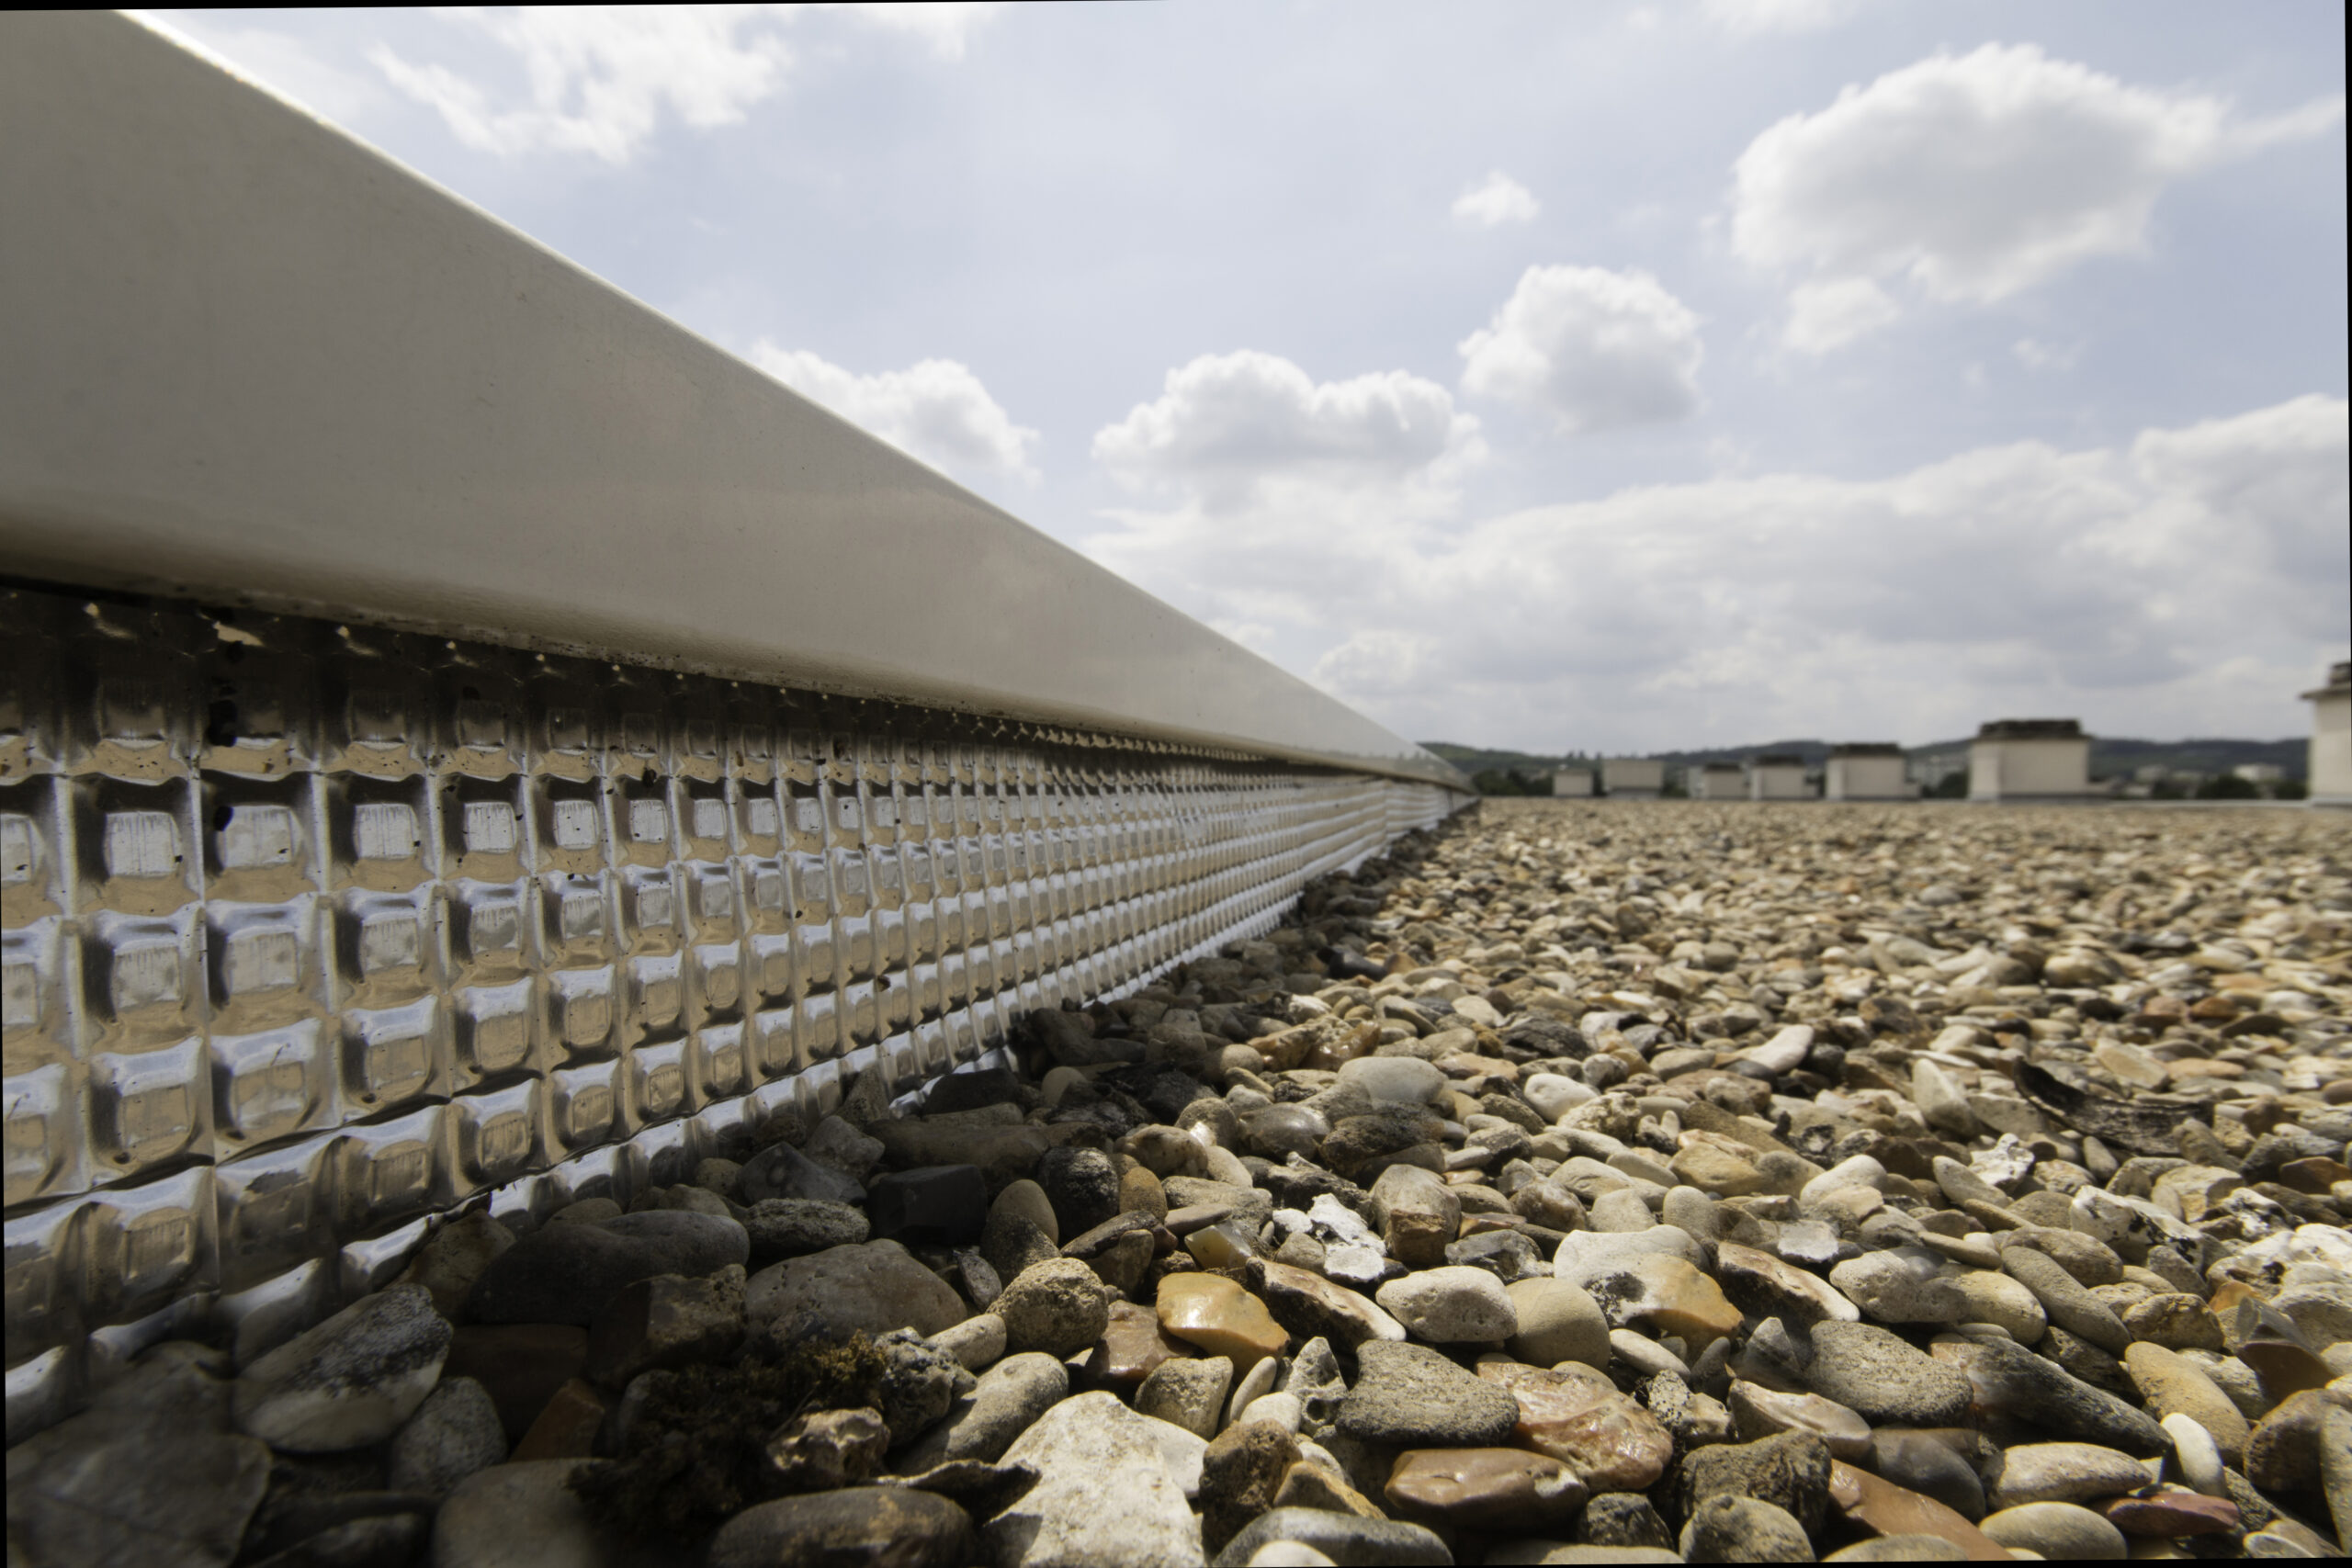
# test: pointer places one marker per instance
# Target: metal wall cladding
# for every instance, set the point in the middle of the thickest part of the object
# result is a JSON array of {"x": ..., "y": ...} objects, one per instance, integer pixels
[{"x": 314, "y": 930}]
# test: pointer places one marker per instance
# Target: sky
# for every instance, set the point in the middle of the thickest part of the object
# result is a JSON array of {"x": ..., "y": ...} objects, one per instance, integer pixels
[{"x": 1604, "y": 376}]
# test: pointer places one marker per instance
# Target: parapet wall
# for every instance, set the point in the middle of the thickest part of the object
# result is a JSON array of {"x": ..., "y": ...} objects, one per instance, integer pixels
[{"x": 464, "y": 737}]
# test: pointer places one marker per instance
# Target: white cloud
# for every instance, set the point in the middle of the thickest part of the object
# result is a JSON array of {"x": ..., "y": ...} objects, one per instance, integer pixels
[
  {"x": 1496, "y": 200},
  {"x": 935, "y": 409},
  {"x": 1308, "y": 487},
  {"x": 601, "y": 79},
  {"x": 2189, "y": 582},
  {"x": 946, "y": 26},
  {"x": 1225, "y": 426},
  {"x": 1780, "y": 16},
  {"x": 1823, "y": 316},
  {"x": 1978, "y": 176},
  {"x": 1595, "y": 349}
]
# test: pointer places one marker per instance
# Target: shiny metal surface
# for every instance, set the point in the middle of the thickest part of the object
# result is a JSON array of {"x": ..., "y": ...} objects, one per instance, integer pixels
[
  {"x": 313, "y": 931},
  {"x": 252, "y": 361}
]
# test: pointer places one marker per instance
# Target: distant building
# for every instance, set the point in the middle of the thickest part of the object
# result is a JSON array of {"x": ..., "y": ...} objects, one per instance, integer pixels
[
  {"x": 1865, "y": 770},
  {"x": 2331, "y": 765},
  {"x": 1778, "y": 777},
  {"x": 2259, "y": 773},
  {"x": 1572, "y": 781},
  {"x": 2030, "y": 759},
  {"x": 1716, "y": 781},
  {"x": 1632, "y": 778}
]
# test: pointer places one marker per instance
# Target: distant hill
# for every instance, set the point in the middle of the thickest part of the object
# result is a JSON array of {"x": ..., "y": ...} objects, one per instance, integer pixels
[{"x": 2109, "y": 757}]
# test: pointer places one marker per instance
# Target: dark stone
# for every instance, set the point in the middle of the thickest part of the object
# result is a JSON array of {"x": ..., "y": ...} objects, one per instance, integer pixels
[
  {"x": 567, "y": 1272},
  {"x": 1240, "y": 1471},
  {"x": 942, "y": 1203},
  {"x": 1507, "y": 1255},
  {"x": 1084, "y": 1187},
  {"x": 2009, "y": 1379},
  {"x": 379, "y": 1541},
  {"x": 1390, "y": 1130},
  {"x": 898, "y": 1525},
  {"x": 105, "y": 1488},
  {"x": 972, "y": 1089},
  {"x": 1297, "y": 1183},
  {"x": 1009, "y": 1243},
  {"x": 1409, "y": 1394},
  {"x": 1788, "y": 1469},
  {"x": 1882, "y": 1378},
  {"x": 2281, "y": 1145},
  {"x": 521, "y": 1365},
  {"x": 793, "y": 1227},
  {"x": 1345, "y": 1538},
  {"x": 2144, "y": 1124},
  {"x": 782, "y": 1171},
  {"x": 1623, "y": 1519},
  {"x": 1931, "y": 1462}
]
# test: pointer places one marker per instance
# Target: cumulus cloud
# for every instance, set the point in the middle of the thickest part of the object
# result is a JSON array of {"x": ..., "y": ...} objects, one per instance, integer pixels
[
  {"x": 601, "y": 79},
  {"x": 1306, "y": 488},
  {"x": 946, "y": 26},
  {"x": 1227, "y": 426},
  {"x": 935, "y": 409},
  {"x": 2192, "y": 579},
  {"x": 1594, "y": 349},
  {"x": 1496, "y": 200},
  {"x": 1978, "y": 176},
  {"x": 1823, "y": 316}
]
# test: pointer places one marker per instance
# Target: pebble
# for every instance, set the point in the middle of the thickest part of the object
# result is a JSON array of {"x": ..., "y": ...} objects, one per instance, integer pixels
[
  {"x": 1340, "y": 1538},
  {"x": 1008, "y": 1399},
  {"x": 870, "y": 1288},
  {"x": 1742, "y": 1530},
  {"x": 1577, "y": 1415},
  {"x": 1555, "y": 1321},
  {"x": 2173, "y": 1386},
  {"x": 1499, "y": 1491},
  {"x": 1057, "y": 1306},
  {"x": 1412, "y": 1397},
  {"x": 2064, "y": 1473},
  {"x": 1883, "y": 1378},
  {"x": 1758, "y": 1413},
  {"x": 918, "y": 1529},
  {"x": 1104, "y": 1493},
  {"x": 453, "y": 1433},
  {"x": 518, "y": 1516},
  {"x": 565, "y": 1273},
  {"x": 1451, "y": 1306},
  {"x": 1220, "y": 1317},
  {"x": 1188, "y": 1392},
  {"x": 789, "y": 1227},
  {"x": 2059, "y": 1532},
  {"x": 348, "y": 1382}
]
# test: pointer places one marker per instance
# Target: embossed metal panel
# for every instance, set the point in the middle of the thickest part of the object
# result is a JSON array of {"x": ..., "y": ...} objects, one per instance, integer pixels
[{"x": 314, "y": 930}]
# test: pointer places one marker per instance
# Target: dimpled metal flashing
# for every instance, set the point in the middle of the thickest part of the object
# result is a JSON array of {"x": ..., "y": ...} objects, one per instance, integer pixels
[{"x": 316, "y": 930}]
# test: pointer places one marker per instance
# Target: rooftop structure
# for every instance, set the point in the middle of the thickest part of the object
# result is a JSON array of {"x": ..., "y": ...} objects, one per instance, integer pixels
[
  {"x": 2031, "y": 760},
  {"x": 1632, "y": 778},
  {"x": 1778, "y": 777},
  {"x": 1865, "y": 770},
  {"x": 1716, "y": 781},
  {"x": 2331, "y": 764},
  {"x": 1572, "y": 781}
]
